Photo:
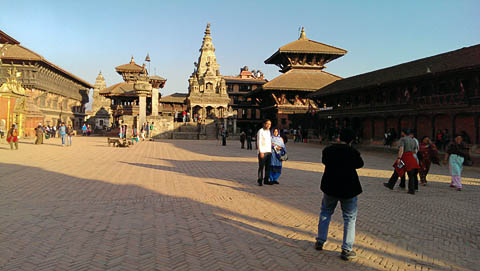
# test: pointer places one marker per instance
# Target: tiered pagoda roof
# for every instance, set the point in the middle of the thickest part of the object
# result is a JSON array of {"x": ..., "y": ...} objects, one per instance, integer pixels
[
  {"x": 304, "y": 53},
  {"x": 303, "y": 80},
  {"x": 302, "y": 63}
]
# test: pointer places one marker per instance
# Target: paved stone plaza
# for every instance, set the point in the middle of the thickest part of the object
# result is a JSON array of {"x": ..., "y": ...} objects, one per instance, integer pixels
[{"x": 194, "y": 205}]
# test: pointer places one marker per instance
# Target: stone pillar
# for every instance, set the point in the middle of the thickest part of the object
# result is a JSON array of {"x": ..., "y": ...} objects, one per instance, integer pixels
[
  {"x": 142, "y": 104},
  {"x": 234, "y": 126},
  {"x": 191, "y": 115},
  {"x": 154, "y": 101}
]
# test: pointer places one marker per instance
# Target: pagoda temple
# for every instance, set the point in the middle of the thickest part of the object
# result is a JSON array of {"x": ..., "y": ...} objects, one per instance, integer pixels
[
  {"x": 207, "y": 90},
  {"x": 284, "y": 100},
  {"x": 136, "y": 97}
]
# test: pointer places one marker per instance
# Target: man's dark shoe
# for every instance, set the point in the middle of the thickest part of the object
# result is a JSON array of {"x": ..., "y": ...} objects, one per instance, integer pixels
[
  {"x": 259, "y": 182},
  {"x": 411, "y": 192},
  {"x": 402, "y": 186},
  {"x": 387, "y": 185},
  {"x": 348, "y": 255},
  {"x": 275, "y": 182},
  {"x": 267, "y": 183},
  {"x": 318, "y": 245}
]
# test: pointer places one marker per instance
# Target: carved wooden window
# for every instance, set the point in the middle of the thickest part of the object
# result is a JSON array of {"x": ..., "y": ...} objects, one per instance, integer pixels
[{"x": 229, "y": 88}]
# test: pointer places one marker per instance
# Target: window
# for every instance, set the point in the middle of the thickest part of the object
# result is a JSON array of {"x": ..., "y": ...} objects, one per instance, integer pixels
[
  {"x": 245, "y": 87},
  {"x": 209, "y": 86},
  {"x": 284, "y": 121},
  {"x": 229, "y": 88}
]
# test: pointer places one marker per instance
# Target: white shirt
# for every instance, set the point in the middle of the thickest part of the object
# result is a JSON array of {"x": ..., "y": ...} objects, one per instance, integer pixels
[{"x": 264, "y": 141}]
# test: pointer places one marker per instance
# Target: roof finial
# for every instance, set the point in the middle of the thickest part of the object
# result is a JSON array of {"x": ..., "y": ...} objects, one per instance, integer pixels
[
  {"x": 132, "y": 60},
  {"x": 207, "y": 31},
  {"x": 147, "y": 58},
  {"x": 303, "y": 36}
]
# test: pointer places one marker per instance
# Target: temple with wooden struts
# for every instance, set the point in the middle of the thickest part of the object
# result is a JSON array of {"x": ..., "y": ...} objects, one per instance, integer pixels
[
  {"x": 302, "y": 63},
  {"x": 136, "y": 97}
]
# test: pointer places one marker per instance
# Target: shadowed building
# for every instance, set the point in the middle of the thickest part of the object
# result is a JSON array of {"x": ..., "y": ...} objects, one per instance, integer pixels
[
  {"x": 430, "y": 94},
  {"x": 246, "y": 109},
  {"x": 284, "y": 99},
  {"x": 33, "y": 90}
]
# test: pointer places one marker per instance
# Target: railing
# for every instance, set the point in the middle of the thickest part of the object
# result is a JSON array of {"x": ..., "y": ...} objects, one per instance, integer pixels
[
  {"x": 125, "y": 109},
  {"x": 440, "y": 100}
]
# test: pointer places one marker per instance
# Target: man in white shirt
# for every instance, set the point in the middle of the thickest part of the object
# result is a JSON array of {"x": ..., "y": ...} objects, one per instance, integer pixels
[{"x": 264, "y": 147}]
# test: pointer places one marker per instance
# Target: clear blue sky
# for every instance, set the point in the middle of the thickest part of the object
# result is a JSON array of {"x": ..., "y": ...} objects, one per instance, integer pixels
[{"x": 85, "y": 37}]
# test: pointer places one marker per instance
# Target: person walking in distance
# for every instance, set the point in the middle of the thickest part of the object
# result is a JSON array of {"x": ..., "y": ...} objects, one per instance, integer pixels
[
  {"x": 242, "y": 139},
  {"x": 457, "y": 153},
  {"x": 63, "y": 132},
  {"x": 406, "y": 161},
  {"x": 340, "y": 183},
  {"x": 69, "y": 135},
  {"x": 249, "y": 139},
  {"x": 39, "y": 134},
  {"x": 264, "y": 147},
  {"x": 12, "y": 137},
  {"x": 224, "y": 134}
]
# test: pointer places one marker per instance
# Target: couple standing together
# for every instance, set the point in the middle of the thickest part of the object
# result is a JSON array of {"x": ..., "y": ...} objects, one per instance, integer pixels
[{"x": 271, "y": 153}]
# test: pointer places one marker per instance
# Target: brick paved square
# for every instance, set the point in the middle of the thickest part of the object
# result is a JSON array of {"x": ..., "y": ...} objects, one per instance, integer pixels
[{"x": 194, "y": 205}]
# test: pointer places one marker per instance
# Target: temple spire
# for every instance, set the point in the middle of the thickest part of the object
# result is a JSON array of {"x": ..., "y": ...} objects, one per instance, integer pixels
[
  {"x": 303, "y": 36},
  {"x": 207, "y": 30},
  {"x": 132, "y": 60}
]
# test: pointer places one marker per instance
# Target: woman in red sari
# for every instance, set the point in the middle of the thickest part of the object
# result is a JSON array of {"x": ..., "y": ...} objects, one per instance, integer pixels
[
  {"x": 427, "y": 154},
  {"x": 12, "y": 137}
]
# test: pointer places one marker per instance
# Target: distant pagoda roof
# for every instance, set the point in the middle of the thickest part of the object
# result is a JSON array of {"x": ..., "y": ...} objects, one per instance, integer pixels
[
  {"x": 174, "y": 98},
  {"x": 301, "y": 80},
  {"x": 461, "y": 59},
  {"x": 306, "y": 46},
  {"x": 238, "y": 80},
  {"x": 119, "y": 89},
  {"x": 129, "y": 67}
]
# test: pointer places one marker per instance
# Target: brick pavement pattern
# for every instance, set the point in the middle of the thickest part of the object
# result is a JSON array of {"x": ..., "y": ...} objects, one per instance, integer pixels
[{"x": 194, "y": 205}]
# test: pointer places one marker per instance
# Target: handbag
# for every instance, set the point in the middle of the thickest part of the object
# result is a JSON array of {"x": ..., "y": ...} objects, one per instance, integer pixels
[{"x": 281, "y": 155}]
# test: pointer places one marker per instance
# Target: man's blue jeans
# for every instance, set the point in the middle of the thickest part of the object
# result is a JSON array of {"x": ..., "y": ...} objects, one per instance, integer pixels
[
  {"x": 63, "y": 139},
  {"x": 349, "y": 211}
]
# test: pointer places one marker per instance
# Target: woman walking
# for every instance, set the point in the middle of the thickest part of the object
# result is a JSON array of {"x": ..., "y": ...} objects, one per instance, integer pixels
[
  {"x": 63, "y": 132},
  {"x": 69, "y": 135},
  {"x": 12, "y": 137},
  {"x": 456, "y": 154},
  {"x": 427, "y": 154},
  {"x": 278, "y": 150}
]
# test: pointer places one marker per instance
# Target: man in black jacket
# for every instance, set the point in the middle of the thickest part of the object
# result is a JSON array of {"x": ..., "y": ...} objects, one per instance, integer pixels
[{"x": 340, "y": 183}]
